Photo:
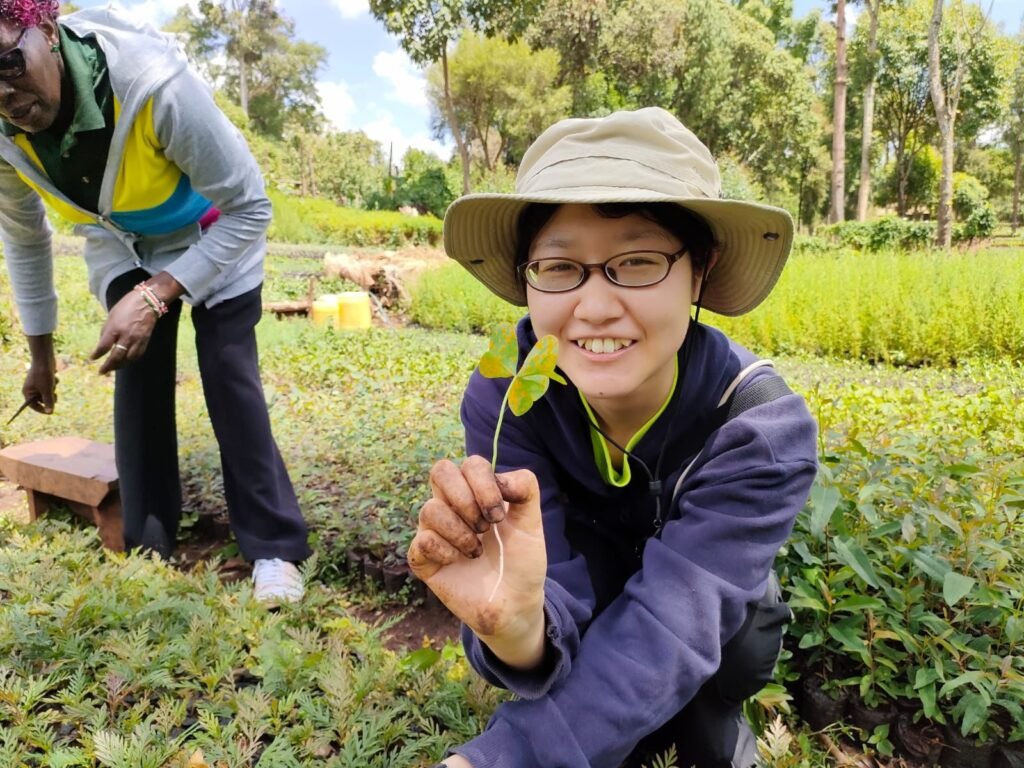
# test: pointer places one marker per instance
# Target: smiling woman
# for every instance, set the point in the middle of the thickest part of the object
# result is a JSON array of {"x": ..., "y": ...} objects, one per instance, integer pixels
[{"x": 642, "y": 505}]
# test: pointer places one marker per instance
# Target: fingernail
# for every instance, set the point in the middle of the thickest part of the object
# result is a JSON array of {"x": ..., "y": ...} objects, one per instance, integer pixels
[
  {"x": 495, "y": 514},
  {"x": 478, "y": 551},
  {"x": 482, "y": 526}
]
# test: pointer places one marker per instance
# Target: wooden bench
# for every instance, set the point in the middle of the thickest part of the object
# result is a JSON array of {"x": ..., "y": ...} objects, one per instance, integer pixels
[{"x": 73, "y": 471}]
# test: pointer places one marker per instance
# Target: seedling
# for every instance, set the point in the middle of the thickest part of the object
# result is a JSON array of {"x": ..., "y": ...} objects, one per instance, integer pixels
[{"x": 528, "y": 386}]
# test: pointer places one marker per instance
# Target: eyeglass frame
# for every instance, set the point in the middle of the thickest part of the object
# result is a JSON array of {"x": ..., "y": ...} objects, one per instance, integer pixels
[
  {"x": 21, "y": 54},
  {"x": 672, "y": 258}
]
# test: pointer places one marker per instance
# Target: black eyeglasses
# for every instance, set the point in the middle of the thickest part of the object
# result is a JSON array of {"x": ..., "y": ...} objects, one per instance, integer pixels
[
  {"x": 12, "y": 61},
  {"x": 632, "y": 269}
]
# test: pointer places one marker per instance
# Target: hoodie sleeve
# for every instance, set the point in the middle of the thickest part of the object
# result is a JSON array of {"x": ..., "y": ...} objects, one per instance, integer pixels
[
  {"x": 209, "y": 149},
  {"x": 28, "y": 251},
  {"x": 648, "y": 653}
]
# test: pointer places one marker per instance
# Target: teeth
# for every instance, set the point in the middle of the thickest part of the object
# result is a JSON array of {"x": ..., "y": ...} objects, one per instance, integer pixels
[{"x": 603, "y": 346}]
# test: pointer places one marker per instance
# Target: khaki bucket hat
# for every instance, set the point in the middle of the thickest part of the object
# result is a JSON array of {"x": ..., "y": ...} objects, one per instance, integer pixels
[{"x": 627, "y": 157}]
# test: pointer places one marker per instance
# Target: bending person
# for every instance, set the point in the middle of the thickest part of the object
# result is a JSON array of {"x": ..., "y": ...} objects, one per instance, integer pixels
[
  {"x": 105, "y": 121},
  {"x": 642, "y": 505}
]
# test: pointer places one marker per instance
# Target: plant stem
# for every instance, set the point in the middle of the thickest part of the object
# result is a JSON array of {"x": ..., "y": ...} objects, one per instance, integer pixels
[{"x": 494, "y": 467}]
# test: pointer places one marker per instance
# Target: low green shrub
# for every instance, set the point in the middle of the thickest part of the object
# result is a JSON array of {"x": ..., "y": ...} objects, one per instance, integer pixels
[
  {"x": 883, "y": 233},
  {"x": 114, "y": 660},
  {"x": 449, "y": 297},
  {"x": 903, "y": 570},
  {"x": 313, "y": 220}
]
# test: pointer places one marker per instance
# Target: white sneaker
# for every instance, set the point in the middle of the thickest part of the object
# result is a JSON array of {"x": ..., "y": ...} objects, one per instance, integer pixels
[{"x": 276, "y": 581}]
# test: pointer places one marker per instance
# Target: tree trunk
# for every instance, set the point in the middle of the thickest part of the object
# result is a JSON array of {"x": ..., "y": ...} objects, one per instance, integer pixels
[
  {"x": 902, "y": 173},
  {"x": 839, "y": 119},
  {"x": 867, "y": 126},
  {"x": 453, "y": 125},
  {"x": 1017, "y": 168},
  {"x": 243, "y": 85},
  {"x": 945, "y": 114}
]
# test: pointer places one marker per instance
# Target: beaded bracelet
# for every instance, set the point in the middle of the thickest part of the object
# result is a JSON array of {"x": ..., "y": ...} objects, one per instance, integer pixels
[{"x": 153, "y": 301}]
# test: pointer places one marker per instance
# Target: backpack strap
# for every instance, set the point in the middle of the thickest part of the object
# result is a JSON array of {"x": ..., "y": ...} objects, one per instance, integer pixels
[{"x": 760, "y": 392}]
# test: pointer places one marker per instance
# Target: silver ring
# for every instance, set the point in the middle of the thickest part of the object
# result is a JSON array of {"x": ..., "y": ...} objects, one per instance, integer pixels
[{"x": 120, "y": 346}]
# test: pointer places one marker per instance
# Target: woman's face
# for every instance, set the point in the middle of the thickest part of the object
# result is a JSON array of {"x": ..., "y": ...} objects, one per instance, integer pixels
[
  {"x": 31, "y": 102},
  {"x": 617, "y": 344}
]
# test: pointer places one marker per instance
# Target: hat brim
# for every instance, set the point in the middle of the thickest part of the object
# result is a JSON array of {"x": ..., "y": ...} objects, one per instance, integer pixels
[{"x": 754, "y": 241}]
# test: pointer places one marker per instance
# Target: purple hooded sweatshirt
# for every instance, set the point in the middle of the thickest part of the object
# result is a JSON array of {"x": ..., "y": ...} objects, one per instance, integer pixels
[{"x": 619, "y": 665}]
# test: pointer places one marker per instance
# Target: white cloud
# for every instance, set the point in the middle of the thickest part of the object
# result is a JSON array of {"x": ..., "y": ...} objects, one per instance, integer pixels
[
  {"x": 410, "y": 87},
  {"x": 351, "y": 9},
  {"x": 337, "y": 103},
  {"x": 393, "y": 138},
  {"x": 154, "y": 12}
]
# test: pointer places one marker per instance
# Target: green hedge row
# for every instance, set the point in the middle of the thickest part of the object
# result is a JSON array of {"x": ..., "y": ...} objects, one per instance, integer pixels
[{"x": 312, "y": 220}]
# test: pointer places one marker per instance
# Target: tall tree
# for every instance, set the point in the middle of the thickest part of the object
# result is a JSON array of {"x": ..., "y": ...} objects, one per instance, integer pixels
[
  {"x": 572, "y": 28},
  {"x": 946, "y": 93},
  {"x": 868, "y": 111},
  {"x": 248, "y": 47},
  {"x": 1014, "y": 131},
  {"x": 838, "y": 200},
  {"x": 426, "y": 29},
  {"x": 721, "y": 72},
  {"x": 502, "y": 94}
]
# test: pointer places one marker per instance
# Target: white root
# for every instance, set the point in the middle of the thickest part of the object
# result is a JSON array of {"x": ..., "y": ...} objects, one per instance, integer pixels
[{"x": 501, "y": 561}]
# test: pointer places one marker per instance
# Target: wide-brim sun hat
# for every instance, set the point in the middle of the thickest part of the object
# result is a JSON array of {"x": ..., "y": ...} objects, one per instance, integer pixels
[{"x": 643, "y": 156}]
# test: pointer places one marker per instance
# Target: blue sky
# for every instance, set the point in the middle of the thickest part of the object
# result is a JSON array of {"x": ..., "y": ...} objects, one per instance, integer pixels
[{"x": 370, "y": 84}]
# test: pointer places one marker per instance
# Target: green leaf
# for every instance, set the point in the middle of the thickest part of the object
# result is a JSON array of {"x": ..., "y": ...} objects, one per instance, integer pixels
[
  {"x": 955, "y": 587},
  {"x": 1014, "y": 629},
  {"x": 824, "y": 500},
  {"x": 967, "y": 677},
  {"x": 925, "y": 676},
  {"x": 805, "y": 553},
  {"x": 850, "y": 553},
  {"x": 421, "y": 659},
  {"x": 859, "y": 603},
  {"x": 499, "y": 361},
  {"x": 849, "y": 639},
  {"x": 975, "y": 714},
  {"x": 812, "y": 639},
  {"x": 962, "y": 470},
  {"x": 934, "y": 566},
  {"x": 927, "y": 696}
]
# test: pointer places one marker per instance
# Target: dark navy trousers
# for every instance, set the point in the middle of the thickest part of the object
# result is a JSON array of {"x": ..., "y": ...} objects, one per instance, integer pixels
[{"x": 262, "y": 507}]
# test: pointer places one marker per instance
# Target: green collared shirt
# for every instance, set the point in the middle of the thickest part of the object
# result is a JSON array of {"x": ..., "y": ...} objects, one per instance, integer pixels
[
  {"x": 76, "y": 157},
  {"x": 602, "y": 456}
]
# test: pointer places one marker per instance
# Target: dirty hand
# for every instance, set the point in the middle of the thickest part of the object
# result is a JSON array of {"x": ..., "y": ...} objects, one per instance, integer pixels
[
  {"x": 126, "y": 332},
  {"x": 40, "y": 386},
  {"x": 456, "y": 553}
]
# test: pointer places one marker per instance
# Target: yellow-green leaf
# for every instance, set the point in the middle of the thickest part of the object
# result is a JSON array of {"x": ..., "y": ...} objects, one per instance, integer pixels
[
  {"x": 542, "y": 360},
  {"x": 525, "y": 391},
  {"x": 499, "y": 361},
  {"x": 531, "y": 382}
]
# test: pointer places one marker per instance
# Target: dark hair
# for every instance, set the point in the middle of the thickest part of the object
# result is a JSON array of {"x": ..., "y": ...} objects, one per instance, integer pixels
[
  {"x": 687, "y": 227},
  {"x": 28, "y": 13}
]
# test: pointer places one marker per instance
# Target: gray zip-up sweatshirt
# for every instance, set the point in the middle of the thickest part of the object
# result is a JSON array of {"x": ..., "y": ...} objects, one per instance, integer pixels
[
  {"x": 151, "y": 81},
  {"x": 622, "y": 661}
]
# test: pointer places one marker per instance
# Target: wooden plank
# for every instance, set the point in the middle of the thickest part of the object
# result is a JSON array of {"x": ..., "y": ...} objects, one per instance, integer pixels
[{"x": 71, "y": 468}]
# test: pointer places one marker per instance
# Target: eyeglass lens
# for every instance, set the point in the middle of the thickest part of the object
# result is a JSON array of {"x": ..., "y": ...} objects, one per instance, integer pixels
[
  {"x": 631, "y": 270},
  {"x": 12, "y": 61}
]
